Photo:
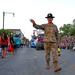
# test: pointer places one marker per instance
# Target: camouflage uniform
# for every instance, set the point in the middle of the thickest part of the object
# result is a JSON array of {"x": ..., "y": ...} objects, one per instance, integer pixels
[{"x": 50, "y": 40}]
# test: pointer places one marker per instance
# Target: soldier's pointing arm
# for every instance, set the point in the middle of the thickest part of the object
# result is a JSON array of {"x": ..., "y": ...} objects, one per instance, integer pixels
[{"x": 37, "y": 26}]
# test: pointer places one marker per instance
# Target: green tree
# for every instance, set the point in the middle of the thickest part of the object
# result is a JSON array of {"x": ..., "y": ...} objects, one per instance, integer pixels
[
  {"x": 73, "y": 28},
  {"x": 65, "y": 29},
  {"x": 6, "y": 30},
  {"x": 24, "y": 38}
]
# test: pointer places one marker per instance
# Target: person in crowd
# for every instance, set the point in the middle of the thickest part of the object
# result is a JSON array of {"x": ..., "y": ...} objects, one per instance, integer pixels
[
  {"x": 22, "y": 43},
  {"x": 4, "y": 41},
  {"x": 27, "y": 42},
  {"x": 16, "y": 41},
  {"x": 71, "y": 43},
  {"x": 12, "y": 43}
]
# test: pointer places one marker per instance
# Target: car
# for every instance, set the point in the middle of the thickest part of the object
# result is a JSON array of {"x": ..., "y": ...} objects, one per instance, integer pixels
[
  {"x": 39, "y": 42},
  {"x": 32, "y": 43}
]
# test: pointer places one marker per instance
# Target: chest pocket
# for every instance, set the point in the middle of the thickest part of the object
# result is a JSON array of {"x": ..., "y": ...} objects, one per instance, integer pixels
[{"x": 49, "y": 29}]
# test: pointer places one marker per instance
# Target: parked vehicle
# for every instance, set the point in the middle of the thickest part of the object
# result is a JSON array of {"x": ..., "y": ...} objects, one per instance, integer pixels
[
  {"x": 32, "y": 43},
  {"x": 39, "y": 43}
]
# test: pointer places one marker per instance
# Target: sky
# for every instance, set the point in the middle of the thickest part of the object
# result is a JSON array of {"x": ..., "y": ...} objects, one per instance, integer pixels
[{"x": 24, "y": 10}]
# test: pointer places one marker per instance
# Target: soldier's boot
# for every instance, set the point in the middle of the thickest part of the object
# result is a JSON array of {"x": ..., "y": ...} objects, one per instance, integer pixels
[
  {"x": 47, "y": 65},
  {"x": 56, "y": 67}
]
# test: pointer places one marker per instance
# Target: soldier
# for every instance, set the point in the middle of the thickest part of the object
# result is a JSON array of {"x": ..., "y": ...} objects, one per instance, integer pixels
[{"x": 50, "y": 40}]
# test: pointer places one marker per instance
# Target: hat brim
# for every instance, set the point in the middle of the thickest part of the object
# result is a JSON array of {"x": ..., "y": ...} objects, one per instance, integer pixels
[{"x": 49, "y": 17}]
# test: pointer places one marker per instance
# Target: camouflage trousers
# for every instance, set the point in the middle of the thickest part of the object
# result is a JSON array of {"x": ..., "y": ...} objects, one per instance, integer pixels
[{"x": 51, "y": 47}]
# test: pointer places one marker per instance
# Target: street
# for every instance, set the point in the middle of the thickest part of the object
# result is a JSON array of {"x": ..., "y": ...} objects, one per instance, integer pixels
[{"x": 29, "y": 61}]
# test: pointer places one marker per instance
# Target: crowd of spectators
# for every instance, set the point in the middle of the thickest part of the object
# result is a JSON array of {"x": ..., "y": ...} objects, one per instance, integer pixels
[
  {"x": 10, "y": 43},
  {"x": 68, "y": 42}
]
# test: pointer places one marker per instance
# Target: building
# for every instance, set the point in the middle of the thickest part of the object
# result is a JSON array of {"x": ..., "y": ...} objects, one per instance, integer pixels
[
  {"x": 38, "y": 31},
  {"x": 18, "y": 32}
]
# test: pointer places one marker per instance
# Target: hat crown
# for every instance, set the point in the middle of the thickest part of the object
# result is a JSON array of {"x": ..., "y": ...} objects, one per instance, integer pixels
[{"x": 50, "y": 15}]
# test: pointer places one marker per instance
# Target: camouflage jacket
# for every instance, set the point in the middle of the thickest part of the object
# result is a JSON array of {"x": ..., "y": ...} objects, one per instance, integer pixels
[{"x": 50, "y": 32}]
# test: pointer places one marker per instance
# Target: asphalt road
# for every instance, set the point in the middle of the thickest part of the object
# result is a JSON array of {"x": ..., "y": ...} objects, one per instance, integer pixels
[{"x": 29, "y": 61}]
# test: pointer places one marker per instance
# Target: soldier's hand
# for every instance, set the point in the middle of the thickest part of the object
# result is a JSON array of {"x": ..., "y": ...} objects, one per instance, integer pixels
[{"x": 32, "y": 21}]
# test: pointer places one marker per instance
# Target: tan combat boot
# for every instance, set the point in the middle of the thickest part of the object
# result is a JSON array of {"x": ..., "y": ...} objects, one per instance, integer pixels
[
  {"x": 56, "y": 67},
  {"x": 47, "y": 65}
]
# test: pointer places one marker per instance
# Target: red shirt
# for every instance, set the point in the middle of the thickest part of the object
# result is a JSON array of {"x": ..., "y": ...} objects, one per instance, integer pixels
[{"x": 4, "y": 42}]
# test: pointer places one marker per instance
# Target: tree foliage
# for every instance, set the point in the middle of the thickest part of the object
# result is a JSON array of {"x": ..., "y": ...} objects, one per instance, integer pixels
[
  {"x": 67, "y": 29},
  {"x": 24, "y": 38},
  {"x": 5, "y": 30}
]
